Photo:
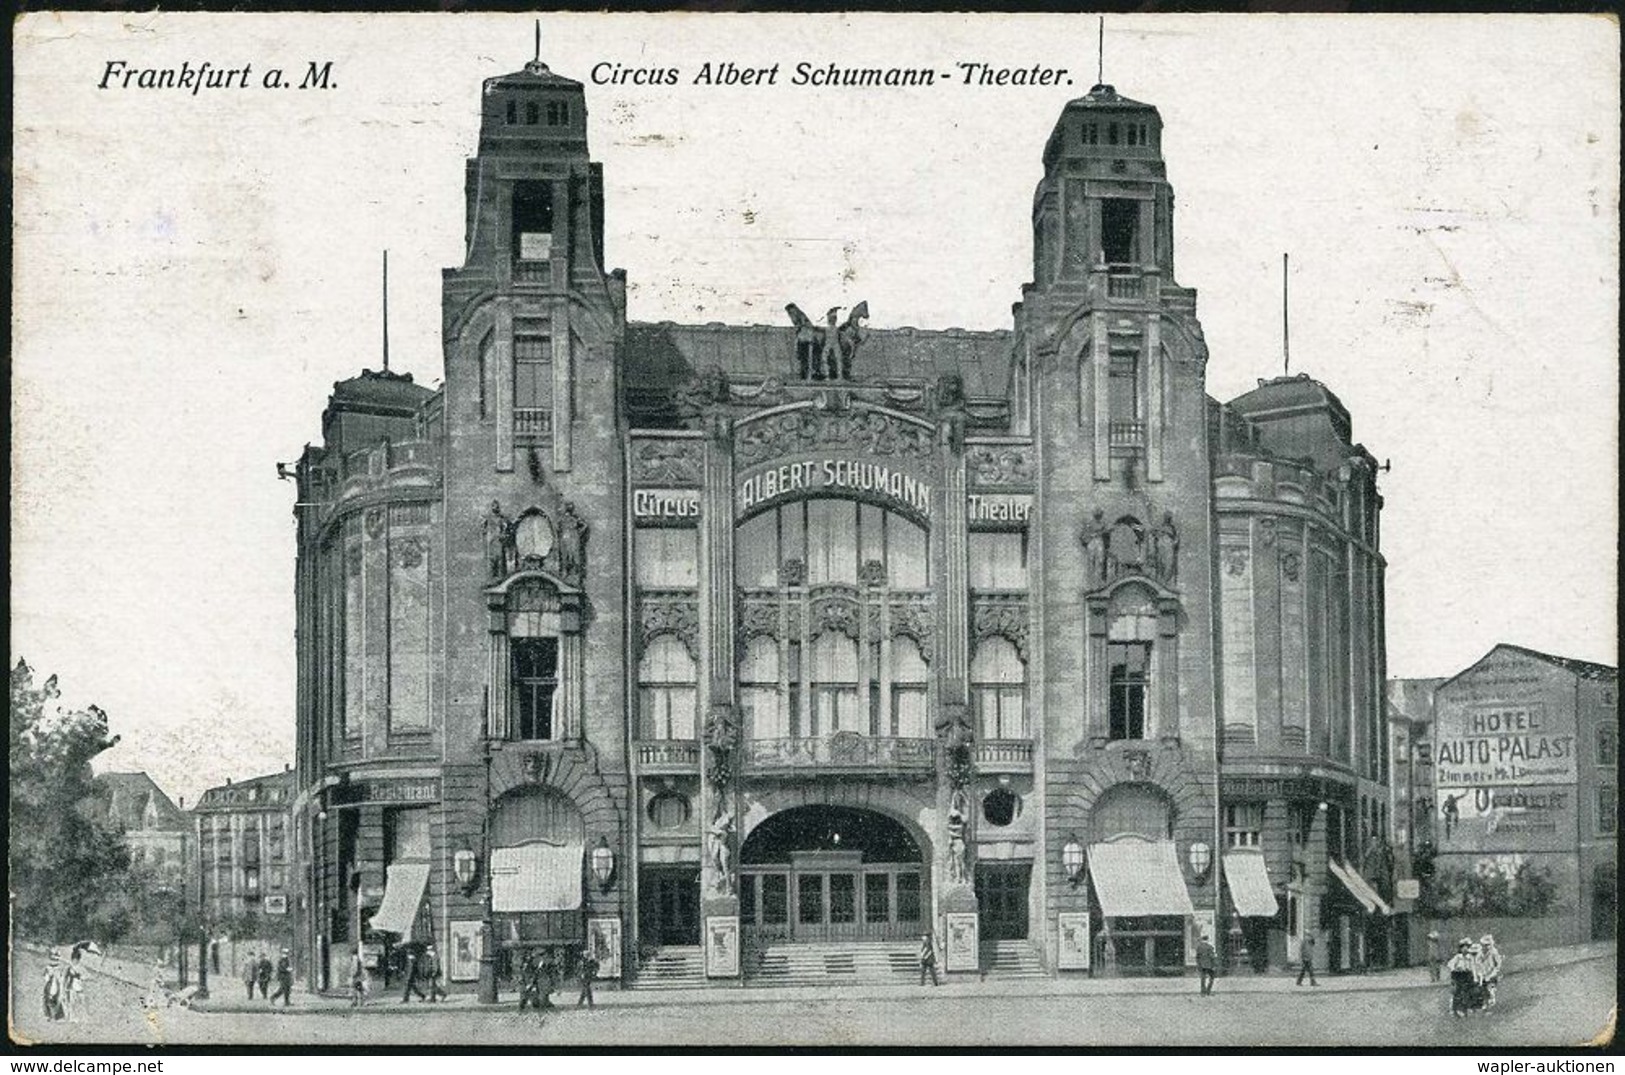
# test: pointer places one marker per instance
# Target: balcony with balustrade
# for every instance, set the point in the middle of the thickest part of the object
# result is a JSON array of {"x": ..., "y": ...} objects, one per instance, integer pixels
[
  {"x": 995, "y": 756},
  {"x": 667, "y": 757}
]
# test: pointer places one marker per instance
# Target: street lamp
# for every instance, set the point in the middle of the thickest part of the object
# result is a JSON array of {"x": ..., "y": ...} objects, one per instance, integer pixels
[
  {"x": 1200, "y": 857},
  {"x": 603, "y": 864},
  {"x": 1072, "y": 859}
]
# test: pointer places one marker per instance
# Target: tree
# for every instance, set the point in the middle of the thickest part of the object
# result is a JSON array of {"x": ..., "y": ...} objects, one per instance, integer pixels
[{"x": 68, "y": 864}]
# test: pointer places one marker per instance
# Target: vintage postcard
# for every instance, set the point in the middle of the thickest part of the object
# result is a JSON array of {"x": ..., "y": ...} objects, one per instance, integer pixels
[{"x": 763, "y": 529}]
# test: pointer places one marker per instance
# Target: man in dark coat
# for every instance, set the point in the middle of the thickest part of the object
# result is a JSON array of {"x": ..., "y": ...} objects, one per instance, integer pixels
[
  {"x": 263, "y": 973},
  {"x": 529, "y": 981},
  {"x": 284, "y": 979},
  {"x": 429, "y": 971},
  {"x": 928, "y": 959},
  {"x": 547, "y": 977},
  {"x": 413, "y": 970},
  {"x": 1207, "y": 964},
  {"x": 1308, "y": 966},
  {"x": 589, "y": 971}
]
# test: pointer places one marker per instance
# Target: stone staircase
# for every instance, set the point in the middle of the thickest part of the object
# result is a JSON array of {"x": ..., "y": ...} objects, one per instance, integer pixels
[
  {"x": 1011, "y": 959},
  {"x": 673, "y": 967},
  {"x": 847, "y": 963}
]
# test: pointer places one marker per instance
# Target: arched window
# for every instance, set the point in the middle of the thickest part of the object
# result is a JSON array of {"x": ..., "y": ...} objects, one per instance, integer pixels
[
  {"x": 531, "y": 814},
  {"x": 1132, "y": 810},
  {"x": 830, "y": 540},
  {"x": 835, "y": 686},
  {"x": 666, "y": 690},
  {"x": 999, "y": 690},
  {"x": 765, "y": 716},
  {"x": 910, "y": 676}
]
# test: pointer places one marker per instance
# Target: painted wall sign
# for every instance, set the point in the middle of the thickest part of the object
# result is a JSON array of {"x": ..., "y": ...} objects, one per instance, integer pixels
[
  {"x": 1505, "y": 818},
  {"x": 811, "y": 476},
  {"x": 998, "y": 507},
  {"x": 671, "y": 504},
  {"x": 1504, "y": 745}
]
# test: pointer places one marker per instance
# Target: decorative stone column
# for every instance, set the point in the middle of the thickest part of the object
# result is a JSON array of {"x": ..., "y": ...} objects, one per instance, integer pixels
[{"x": 719, "y": 895}]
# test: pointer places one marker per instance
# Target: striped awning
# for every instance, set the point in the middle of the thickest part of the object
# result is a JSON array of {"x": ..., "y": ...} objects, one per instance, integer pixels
[
  {"x": 404, "y": 884},
  {"x": 1249, "y": 882},
  {"x": 1138, "y": 877},
  {"x": 1359, "y": 888},
  {"x": 536, "y": 876}
]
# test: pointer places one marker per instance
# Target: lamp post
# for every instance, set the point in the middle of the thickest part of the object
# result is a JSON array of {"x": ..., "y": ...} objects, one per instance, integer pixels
[
  {"x": 1072, "y": 859},
  {"x": 603, "y": 864},
  {"x": 488, "y": 956}
]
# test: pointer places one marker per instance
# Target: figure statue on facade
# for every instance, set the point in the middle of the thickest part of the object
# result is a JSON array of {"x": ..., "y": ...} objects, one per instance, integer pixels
[
  {"x": 948, "y": 399},
  {"x": 572, "y": 539},
  {"x": 954, "y": 728},
  {"x": 1165, "y": 549},
  {"x": 825, "y": 353},
  {"x": 721, "y": 739},
  {"x": 958, "y": 869},
  {"x": 1125, "y": 547},
  {"x": 499, "y": 550},
  {"x": 1094, "y": 547},
  {"x": 719, "y": 836}
]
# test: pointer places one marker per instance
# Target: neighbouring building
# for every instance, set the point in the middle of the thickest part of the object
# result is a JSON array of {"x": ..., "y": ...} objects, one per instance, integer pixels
[
  {"x": 157, "y": 831},
  {"x": 1410, "y": 720},
  {"x": 735, "y": 650},
  {"x": 1526, "y": 771},
  {"x": 246, "y": 860}
]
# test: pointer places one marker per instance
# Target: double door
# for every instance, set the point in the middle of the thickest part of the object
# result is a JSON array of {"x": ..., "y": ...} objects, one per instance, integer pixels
[
  {"x": 670, "y": 905},
  {"x": 871, "y": 903},
  {"x": 1001, "y": 897}
]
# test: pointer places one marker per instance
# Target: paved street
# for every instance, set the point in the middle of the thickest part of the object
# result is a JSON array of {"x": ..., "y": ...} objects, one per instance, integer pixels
[{"x": 1562, "y": 1005}]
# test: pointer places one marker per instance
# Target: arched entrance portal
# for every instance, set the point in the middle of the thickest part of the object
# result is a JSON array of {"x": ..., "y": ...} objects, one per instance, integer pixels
[{"x": 831, "y": 873}]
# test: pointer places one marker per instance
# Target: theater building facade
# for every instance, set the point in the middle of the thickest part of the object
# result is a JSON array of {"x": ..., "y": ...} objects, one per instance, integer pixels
[{"x": 757, "y": 652}]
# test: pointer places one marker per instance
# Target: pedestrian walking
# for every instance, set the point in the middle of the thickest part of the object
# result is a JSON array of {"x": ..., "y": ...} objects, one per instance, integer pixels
[
  {"x": 1461, "y": 979},
  {"x": 1307, "y": 950},
  {"x": 73, "y": 991},
  {"x": 547, "y": 977},
  {"x": 928, "y": 959},
  {"x": 589, "y": 972},
  {"x": 251, "y": 970},
  {"x": 413, "y": 970},
  {"x": 55, "y": 987},
  {"x": 429, "y": 970},
  {"x": 1207, "y": 964},
  {"x": 264, "y": 970},
  {"x": 1489, "y": 968},
  {"x": 530, "y": 981},
  {"x": 284, "y": 979},
  {"x": 1435, "y": 955},
  {"x": 358, "y": 980}
]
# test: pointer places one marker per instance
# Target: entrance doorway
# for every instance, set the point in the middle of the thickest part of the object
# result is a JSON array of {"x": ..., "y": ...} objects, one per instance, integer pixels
[
  {"x": 669, "y": 905},
  {"x": 1001, "y": 896},
  {"x": 830, "y": 873}
]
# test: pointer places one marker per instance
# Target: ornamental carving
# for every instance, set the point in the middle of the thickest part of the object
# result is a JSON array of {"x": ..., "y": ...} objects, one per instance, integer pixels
[
  {"x": 793, "y": 573},
  {"x": 836, "y": 612},
  {"x": 758, "y": 618},
  {"x": 677, "y": 615},
  {"x": 410, "y": 553},
  {"x": 1291, "y": 565},
  {"x": 866, "y": 431},
  {"x": 548, "y": 536},
  {"x": 957, "y": 732},
  {"x": 1130, "y": 547},
  {"x": 1001, "y": 618},
  {"x": 1235, "y": 559},
  {"x": 872, "y": 575},
  {"x": 1000, "y": 465},
  {"x": 914, "y": 621},
  {"x": 667, "y": 462}
]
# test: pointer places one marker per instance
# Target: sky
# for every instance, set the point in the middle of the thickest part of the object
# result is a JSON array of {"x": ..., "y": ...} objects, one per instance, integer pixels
[{"x": 193, "y": 272}]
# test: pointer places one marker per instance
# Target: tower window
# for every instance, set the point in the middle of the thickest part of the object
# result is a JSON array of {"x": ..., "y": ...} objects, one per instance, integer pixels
[
  {"x": 1123, "y": 388},
  {"x": 533, "y": 220},
  {"x": 1129, "y": 664},
  {"x": 513, "y": 111},
  {"x": 1091, "y": 134},
  {"x": 1111, "y": 134},
  {"x": 558, "y": 114},
  {"x": 1119, "y": 224},
  {"x": 532, "y": 379},
  {"x": 533, "y": 113}
]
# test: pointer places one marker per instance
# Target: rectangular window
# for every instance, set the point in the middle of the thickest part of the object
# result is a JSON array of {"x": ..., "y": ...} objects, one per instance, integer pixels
[
  {"x": 756, "y": 552},
  {"x": 907, "y": 565},
  {"x": 535, "y": 686},
  {"x": 998, "y": 560},
  {"x": 1243, "y": 824},
  {"x": 558, "y": 113},
  {"x": 775, "y": 899},
  {"x": 668, "y": 711},
  {"x": 1607, "y": 810},
  {"x": 909, "y": 719},
  {"x": 1129, "y": 664},
  {"x": 533, "y": 219},
  {"x": 406, "y": 834},
  {"x": 1607, "y": 745},
  {"x": 832, "y": 541},
  {"x": 876, "y": 897},
  {"x": 485, "y": 368},
  {"x": 843, "y": 897},
  {"x": 668, "y": 558},
  {"x": 747, "y": 899},
  {"x": 251, "y": 880},
  {"x": 810, "y": 899},
  {"x": 908, "y": 897},
  {"x": 1001, "y": 711},
  {"x": 1119, "y": 225},
  {"x": 1123, "y": 388},
  {"x": 532, "y": 379}
]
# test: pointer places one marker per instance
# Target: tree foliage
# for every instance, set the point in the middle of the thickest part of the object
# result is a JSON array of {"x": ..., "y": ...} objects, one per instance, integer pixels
[
  {"x": 1527, "y": 891},
  {"x": 69, "y": 865}
]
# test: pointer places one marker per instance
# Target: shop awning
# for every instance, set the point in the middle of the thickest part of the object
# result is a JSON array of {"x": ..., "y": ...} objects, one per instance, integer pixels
[
  {"x": 1359, "y": 888},
  {"x": 404, "y": 883},
  {"x": 1138, "y": 877},
  {"x": 536, "y": 877},
  {"x": 1249, "y": 883}
]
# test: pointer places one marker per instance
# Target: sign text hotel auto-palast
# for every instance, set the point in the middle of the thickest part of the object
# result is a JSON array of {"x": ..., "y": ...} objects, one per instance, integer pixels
[{"x": 714, "y": 640}]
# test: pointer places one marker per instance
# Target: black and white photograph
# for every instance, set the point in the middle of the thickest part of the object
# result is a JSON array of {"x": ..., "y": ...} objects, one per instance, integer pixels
[{"x": 595, "y": 531}]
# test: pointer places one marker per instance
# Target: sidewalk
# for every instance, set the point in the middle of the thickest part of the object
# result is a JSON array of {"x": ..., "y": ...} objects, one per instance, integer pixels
[{"x": 1239, "y": 982}]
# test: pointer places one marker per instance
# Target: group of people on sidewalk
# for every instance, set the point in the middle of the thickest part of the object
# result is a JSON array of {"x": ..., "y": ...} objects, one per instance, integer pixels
[
  {"x": 539, "y": 975},
  {"x": 64, "y": 993},
  {"x": 259, "y": 971},
  {"x": 1475, "y": 970},
  {"x": 421, "y": 968}
]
